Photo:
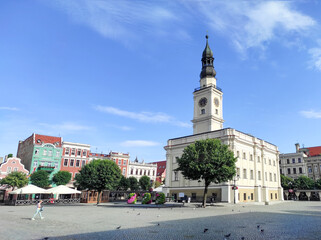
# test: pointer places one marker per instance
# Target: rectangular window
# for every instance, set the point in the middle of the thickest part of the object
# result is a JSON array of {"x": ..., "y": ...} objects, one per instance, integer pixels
[
  {"x": 77, "y": 163},
  {"x": 124, "y": 171},
  {"x": 84, "y": 153},
  {"x": 251, "y": 174},
  {"x": 44, "y": 152},
  {"x": 265, "y": 176},
  {"x": 148, "y": 173},
  {"x": 175, "y": 176},
  {"x": 15, "y": 169},
  {"x": 9, "y": 170},
  {"x": 271, "y": 195},
  {"x": 119, "y": 162},
  {"x": 264, "y": 160},
  {"x": 288, "y": 161},
  {"x": 270, "y": 177},
  {"x": 57, "y": 154},
  {"x": 194, "y": 196},
  {"x": 251, "y": 157},
  {"x": 273, "y": 163},
  {"x": 36, "y": 152},
  {"x": 289, "y": 171},
  {"x": 202, "y": 111},
  {"x": 131, "y": 171},
  {"x": 294, "y": 170},
  {"x": 67, "y": 151},
  {"x": 299, "y": 160},
  {"x": 252, "y": 196},
  {"x": 238, "y": 172},
  {"x": 258, "y": 159},
  {"x": 35, "y": 164},
  {"x": 238, "y": 153},
  {"x": 309, "y": 169},
  {"x": 293, "y": 160},
  {"x": 136, "y": 171},
  {"x": 79, "y": 152},
  {"x": 83, "y": 163},
  {"x": 244, "y": 155},
  {"x": 259, "y": 175},
  {"x": 300, "y": 170},
  {"x": 71, "y": 162},
  {"x": 50, "y": 153},
  {"x": 244, "y": 196},
  {"x": 276, "y": 196},
  {"x": 124, "y": 162},
  {"x": 244, "y": 174},
  {"x": 65, "y": 162},
  {"x": 281, "y": 171},
  {"x": 73, "y": 151},
  {"x": 270, "y": 162},
  {"x": 274, "y": 177}
]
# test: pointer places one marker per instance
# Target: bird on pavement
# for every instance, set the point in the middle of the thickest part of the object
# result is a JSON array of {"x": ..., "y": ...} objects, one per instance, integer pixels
[
  {"x": 258, "y": 226},
  {"x": 118, "y": 227},
  {"x": 227, "y": 235},
  {"x": 262, "y": 230},
  {"x": 205, "y": 230}
]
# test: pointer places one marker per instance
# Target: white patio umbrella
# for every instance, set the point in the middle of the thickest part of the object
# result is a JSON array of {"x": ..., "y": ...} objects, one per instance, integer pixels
[
  {"x": 29, "y": 189},
  {"x": 62, "y": 189}
]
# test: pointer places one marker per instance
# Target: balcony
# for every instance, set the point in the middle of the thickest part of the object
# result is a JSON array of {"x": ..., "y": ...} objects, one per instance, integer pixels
[
  {"x": 210, "y": 85},
  {"x": 46, "y": 168}
]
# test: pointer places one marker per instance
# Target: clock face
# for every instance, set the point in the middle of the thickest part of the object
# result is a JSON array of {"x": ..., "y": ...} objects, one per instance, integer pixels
[
  {"x": 202, "y": 102},
  {"x": 216, "y": 102}
]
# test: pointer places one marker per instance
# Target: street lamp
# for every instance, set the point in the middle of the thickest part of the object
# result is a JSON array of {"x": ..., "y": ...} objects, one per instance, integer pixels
[{"x": 235, "y": 178}]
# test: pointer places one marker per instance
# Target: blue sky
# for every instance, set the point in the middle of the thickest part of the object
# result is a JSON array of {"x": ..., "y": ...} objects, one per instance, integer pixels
[{"x": 119, "y": 75}]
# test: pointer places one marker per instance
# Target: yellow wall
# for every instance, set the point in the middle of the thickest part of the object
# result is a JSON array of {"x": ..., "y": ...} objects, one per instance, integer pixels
[
  {"x": 248, "y": 195},
  {"x": 273, "y": 192}
]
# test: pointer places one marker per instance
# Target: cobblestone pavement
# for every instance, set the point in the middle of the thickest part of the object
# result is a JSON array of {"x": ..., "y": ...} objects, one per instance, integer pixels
[{"x": 287, "y": 220}]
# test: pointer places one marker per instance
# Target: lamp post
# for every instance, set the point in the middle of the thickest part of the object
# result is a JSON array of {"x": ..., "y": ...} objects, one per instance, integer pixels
[{"x": 235, "y": 178}]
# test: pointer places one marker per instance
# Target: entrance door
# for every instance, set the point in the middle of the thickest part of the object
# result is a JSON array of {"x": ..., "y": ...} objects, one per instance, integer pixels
[{"x": 2, "y": 193}]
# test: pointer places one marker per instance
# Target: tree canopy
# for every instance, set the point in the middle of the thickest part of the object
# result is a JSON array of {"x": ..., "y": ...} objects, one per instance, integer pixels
[
  {"x": 286, "y": 182},
  {"x": 133, "y": 183},
  {"x": 124, "y": 183},
  {"x": 304, "y": 182},
  {"x": 40, "y": 178},
  {"x": 208, "y": 160},
  {"x": 99, "y": 175},
  {"x": 144, "y": 182},
  {"x": 61, "y": 178},
  {"x": 15, "y": 180}
]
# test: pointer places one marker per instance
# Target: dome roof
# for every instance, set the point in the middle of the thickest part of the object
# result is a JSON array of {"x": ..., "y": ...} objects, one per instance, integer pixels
[{"x": 207, "y": 51}]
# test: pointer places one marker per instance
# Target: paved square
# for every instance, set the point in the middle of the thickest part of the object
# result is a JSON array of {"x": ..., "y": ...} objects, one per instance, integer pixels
[{"x": 288, "y": 220}]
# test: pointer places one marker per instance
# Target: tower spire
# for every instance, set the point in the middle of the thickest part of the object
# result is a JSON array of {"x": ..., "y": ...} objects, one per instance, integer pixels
[{"x": 207, "y": 62}]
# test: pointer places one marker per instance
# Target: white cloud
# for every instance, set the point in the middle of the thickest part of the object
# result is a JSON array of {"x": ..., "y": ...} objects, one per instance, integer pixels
[
  {"x": 143, "y": 116},
  {"x": 311, "y": 114},
  {"x": 139, "y": 143},
  {"x": 116, "y": 19},
  {"x": 66, "y": 126},
  {"x": 254, "y": 24},
  {"x": 315, "y": 53},
  {"x": 9, "y": 108}
]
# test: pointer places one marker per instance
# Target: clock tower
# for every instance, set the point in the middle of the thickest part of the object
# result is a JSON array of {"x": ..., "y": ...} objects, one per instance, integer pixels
[{"x": 208, "y": 98}]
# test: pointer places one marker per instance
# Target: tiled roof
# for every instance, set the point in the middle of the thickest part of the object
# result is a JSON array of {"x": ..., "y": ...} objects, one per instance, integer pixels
[
  {"x": 314, "y": 151},
  {"x": 161, "y": 166},
  {"x": 47, "y": 139}
]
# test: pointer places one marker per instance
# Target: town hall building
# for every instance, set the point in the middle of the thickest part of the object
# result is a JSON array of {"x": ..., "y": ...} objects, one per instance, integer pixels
[{"x": 258, "y": 175}]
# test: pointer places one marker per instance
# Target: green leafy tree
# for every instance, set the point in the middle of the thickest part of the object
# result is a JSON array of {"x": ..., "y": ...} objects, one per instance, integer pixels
[
  {"x": 40, "y": 178},
  {"x": 304, "y": 182},
  {"x": 99, "y": 175},
  {"x": 208, "y": 160},
  {"x": 287, "y": 182},
  {"x": 144, "y": 183},
  {"x": 133, "y": 183},
  {"x": 318, "y": 184},
  {"x": 61, "y": 178},
  {"x": 10, "y": 155},
  {"x": 15, "y": 180},
  {"x": 124, "y": 183}
]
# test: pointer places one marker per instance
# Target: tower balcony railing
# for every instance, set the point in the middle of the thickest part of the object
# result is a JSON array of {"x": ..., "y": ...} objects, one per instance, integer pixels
[
  {"x": 209, "y": 85},
  {"x": 46, "y": 168}
]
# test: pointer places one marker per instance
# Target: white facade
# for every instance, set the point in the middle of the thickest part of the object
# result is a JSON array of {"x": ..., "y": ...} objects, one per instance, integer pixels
[
  {"x": 138, "y": 169},
  {"x": 257, "y": 165},
  {"x": 293, "y": 165}
]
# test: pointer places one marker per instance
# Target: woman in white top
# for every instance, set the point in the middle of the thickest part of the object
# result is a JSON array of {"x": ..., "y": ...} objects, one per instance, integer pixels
[{"x": 38, "y": 211}]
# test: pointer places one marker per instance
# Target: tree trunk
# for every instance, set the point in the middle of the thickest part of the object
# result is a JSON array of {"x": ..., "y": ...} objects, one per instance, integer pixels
[
  {"x": 205, "y": 194},
  {"x": 98, "y": 197}
]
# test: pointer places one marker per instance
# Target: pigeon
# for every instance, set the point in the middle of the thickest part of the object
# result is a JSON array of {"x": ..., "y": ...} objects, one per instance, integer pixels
[
  {"x": 258, "y": 226},
  {"x": 158, "y": 224},
  {"x": 232, "y": 210},
  {"x": 228, "y": 235},
  {"x": 205, "y": 230},
  {"x": 118, "y": 227},
  {"x": 242, "y": 238},
  {"x": 138, "y": 214},
  {"x": 262, "y": 230}
]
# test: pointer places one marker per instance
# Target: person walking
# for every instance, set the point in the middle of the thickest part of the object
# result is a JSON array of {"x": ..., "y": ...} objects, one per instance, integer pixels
[{"x": 38, "y": 211}]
